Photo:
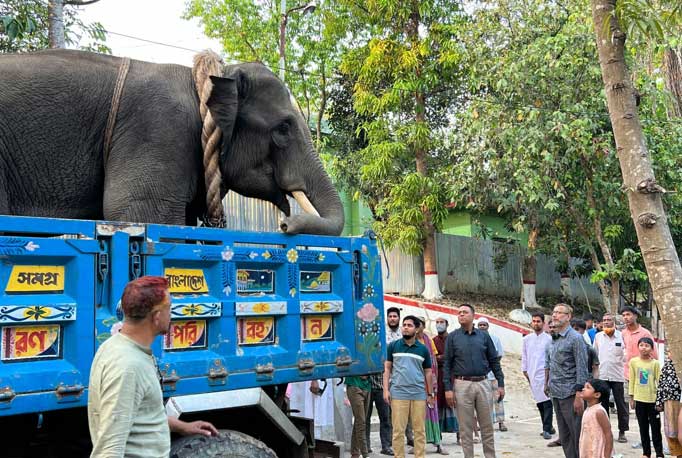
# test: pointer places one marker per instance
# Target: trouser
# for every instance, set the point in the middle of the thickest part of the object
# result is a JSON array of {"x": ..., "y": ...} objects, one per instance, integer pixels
[
  {"x": 648, "y": 417},
  {"x": 496, "y": 406},
  {"x": 359, "y": 403},
  {"x": 617, "y": 389},
  {"x": 409, "y": 434},
  {"x": 474, "y": 397},
  {"x": 568, "y": 424},
  {"x": 384, "y": 411},
  {"x": 545, "y": 408},
  {"x": 414, "y": 412}
]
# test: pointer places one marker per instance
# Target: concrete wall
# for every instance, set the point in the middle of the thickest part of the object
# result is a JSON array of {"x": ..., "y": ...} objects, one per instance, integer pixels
[
  {"x": 511, "y": 335},
  {"x": 465, "y": 264}
]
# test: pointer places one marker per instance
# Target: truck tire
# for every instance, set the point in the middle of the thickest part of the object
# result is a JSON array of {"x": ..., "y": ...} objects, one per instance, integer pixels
[{"x": 228, "y": 444}]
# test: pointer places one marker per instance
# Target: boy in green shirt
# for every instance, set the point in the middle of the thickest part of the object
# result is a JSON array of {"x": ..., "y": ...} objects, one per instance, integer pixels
[{"x": 644, "y": 375}]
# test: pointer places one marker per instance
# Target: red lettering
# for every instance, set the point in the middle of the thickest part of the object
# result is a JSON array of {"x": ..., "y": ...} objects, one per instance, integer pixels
[
  {"x": 316, "y": 327},
  {"x": 186, "y": 333},
  {"x": 255, "y": 329},
  {"x": 21, "y": 341},
  {"x": 37, "y": 338}
]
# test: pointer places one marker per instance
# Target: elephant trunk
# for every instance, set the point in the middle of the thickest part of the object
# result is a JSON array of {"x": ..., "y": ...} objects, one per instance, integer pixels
[{"x": 321, "y": 202}]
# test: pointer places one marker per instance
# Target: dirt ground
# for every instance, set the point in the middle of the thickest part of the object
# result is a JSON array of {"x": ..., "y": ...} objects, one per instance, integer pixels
[{"x": 523, "y": 421}]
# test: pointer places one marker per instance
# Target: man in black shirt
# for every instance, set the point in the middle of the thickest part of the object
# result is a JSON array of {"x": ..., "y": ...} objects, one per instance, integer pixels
[{"x": 469, "y": 355}]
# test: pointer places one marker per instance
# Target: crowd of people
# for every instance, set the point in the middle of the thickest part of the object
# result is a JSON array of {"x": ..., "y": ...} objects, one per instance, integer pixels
[
  {"x": 449, "y": 383},
  {"x": 580, "y": 372},
  {"x": 578, "y": 368}
]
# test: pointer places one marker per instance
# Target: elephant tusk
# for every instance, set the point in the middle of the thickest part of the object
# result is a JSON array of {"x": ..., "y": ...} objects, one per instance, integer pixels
[{"x": 305, "y": 204}]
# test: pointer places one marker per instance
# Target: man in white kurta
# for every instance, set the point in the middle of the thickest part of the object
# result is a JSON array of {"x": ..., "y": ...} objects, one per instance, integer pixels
[{"x": 533, "y": 366}]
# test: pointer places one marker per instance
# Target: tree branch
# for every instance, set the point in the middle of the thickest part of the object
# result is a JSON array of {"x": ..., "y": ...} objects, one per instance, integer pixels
[{"x": 80, "y": 2}]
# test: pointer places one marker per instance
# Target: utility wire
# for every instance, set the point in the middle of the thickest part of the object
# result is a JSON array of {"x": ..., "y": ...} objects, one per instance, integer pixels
[
  {"x": 152, "y": 41},
  {"x": 454, "y": 91}
]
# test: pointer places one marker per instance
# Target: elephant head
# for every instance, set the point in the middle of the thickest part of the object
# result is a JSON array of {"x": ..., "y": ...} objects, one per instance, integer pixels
[{"x": 267, "y": 150}]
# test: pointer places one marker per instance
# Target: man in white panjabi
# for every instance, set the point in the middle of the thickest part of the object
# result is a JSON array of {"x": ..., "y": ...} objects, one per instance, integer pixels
[
  {"x": 312, "y": 401},
  {"x": 533, "y": 367}
]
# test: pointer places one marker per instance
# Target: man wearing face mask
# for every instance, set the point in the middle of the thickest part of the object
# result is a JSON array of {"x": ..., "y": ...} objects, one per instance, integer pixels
[
  {"x": 446, "y": 414},
  {"x": 610, "y": 347}
]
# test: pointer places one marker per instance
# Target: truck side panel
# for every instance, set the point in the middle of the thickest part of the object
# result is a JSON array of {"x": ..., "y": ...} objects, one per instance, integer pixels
[
  {"x": 249, "y": 309},
  {"x": 48, "y": 284}
]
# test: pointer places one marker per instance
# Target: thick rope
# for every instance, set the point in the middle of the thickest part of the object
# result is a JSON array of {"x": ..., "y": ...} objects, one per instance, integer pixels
[
  {"x": 115, "y": 102},
  {"x": 208, "y": 63}
]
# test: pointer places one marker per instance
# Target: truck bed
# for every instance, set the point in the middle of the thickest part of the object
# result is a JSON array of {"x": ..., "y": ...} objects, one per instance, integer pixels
[{"x": 248, "y": 309}]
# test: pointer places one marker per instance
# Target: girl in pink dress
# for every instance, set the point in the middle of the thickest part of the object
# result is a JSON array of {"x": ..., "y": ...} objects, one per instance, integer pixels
[{"x": 596, "y": 439}]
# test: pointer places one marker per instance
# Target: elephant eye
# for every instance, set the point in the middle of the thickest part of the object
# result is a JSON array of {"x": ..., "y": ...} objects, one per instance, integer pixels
[
  {"x": 282, "y": 134},
  {"x": 283, "y": 128}
]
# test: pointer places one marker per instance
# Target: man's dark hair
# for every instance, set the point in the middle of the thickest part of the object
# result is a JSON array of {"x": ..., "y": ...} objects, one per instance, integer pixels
[
  {"x": 539, "y": 315},
  {"x": 415, "y": 321},
  {"x": 393, "y": 309},
  {"x": 471, "y": 307},
  {"x": 578, "y": 323},
  {"x": 588, "y": 316},
  {"x": 631, "y": 309},
  {"x": 601, "y": 387}
]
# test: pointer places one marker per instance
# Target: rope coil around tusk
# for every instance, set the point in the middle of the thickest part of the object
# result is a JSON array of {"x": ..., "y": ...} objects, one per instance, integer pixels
[{"x": 206, "y": 64}]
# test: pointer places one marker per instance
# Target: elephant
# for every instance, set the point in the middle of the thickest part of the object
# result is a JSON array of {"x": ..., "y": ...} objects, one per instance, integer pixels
[{"x": 54, "y": 107}]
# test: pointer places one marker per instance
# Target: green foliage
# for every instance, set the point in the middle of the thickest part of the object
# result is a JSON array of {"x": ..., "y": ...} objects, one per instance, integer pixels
[
  {"x": 628, "y": 268},
  {"x": 534, "y": 142},
  {"x": 404, "y": 79},
  {"x": 249, "y": 31},
  {"x": 501, "y": 104},
  {"x": 24, "y": 28},
  {"x": 649, "y": 20}
]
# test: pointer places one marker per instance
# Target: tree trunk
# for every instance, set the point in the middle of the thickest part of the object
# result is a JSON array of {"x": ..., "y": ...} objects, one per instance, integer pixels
[
  {"x": 529, "y": 273},
  {"x": 431, "y": 285},
  {"x": 614, "y": 284},
  {"x": 323, "y": 107},
  {"x": 587, "y": 237},
  {"x": 603, "y": 287},
  {"x": 672, "y": 73},
  {"x": 646, "y": 206},
  {"x": 566, "y": 292},
  {"x": 55, "y": 18}
]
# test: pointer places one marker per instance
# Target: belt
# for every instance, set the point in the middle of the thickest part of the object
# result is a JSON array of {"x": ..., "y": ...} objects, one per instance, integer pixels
[{"x": 470, "y": 378}]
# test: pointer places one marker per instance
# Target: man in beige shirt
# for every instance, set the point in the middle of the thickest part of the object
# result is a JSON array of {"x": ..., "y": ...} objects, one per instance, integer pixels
[{"x": 125, "y": 403}]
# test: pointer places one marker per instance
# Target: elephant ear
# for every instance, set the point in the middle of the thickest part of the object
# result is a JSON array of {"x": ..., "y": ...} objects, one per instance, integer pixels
[{"x": 223, "y": 104}]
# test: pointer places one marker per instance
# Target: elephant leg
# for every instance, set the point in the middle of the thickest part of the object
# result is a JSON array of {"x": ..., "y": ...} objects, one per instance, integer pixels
[
  {"x": 4, "y": 197},
  {"x": 140, "y": 201},
  {"x": 4, "y": 202},
  {"x": 147, "y": 210}
]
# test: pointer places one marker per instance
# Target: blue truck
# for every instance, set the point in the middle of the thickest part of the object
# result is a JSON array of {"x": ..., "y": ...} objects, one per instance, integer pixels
[{"x": 251, "y": 312}]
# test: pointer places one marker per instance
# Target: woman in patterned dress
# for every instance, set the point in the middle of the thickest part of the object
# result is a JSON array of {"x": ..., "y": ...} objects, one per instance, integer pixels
[
  {"x": 433, "y": 435},
  {"x": 668, "y": 401}
]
